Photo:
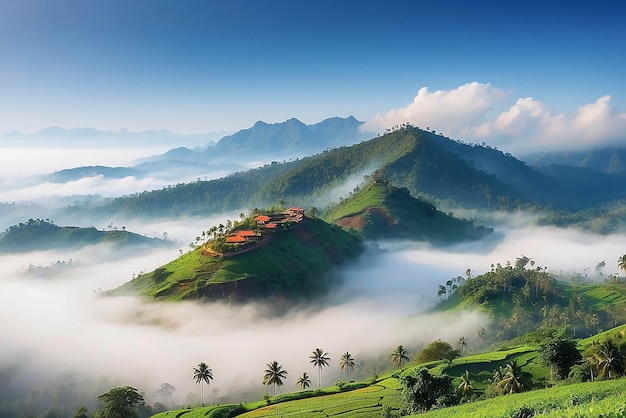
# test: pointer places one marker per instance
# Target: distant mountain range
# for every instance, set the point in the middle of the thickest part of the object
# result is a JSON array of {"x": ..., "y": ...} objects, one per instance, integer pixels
[
  {"x": 273, "y": 142},
  {"x": 427, "y": 164},
  {"x": 261, "y": 143}
]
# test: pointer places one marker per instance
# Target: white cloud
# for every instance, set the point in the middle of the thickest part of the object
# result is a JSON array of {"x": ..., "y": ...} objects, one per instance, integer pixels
[
  {"x": 445, "y": 110},
  {"x": 529, "y": 125}
]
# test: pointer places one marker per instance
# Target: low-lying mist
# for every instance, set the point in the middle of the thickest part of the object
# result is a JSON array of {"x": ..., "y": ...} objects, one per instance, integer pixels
[{"x": 64, "y": 327}]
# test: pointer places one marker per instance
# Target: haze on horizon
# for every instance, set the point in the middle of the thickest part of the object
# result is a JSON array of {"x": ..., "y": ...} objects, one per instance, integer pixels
[{"x": 533, "y": 76}]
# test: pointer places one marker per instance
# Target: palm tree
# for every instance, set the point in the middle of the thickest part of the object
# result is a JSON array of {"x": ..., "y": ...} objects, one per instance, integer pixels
[
  {"x": 274, "y": 375},
  {"x": 346, "y": 362},
  {"x": 609, "y": 359},
  {"x": 466, "y": 383},
  {"x": 621, "y": 263},
  {"x": 515, "y": 380},
  {"x": 320, "y": 359},
  {"x": 462, "y": 344},
  {"x": 304, "y": 382},
  {"x": 399, "y": 355},
  {"x": 202, "y": 374}
]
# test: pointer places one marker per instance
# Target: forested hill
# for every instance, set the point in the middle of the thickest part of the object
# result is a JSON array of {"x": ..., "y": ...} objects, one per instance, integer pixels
[
  {"x": 522, "y": 297},
  {"x": 37, "y": 234},
  {"x": 423, "y": 162},
  {"x": 382, "y": 211}
]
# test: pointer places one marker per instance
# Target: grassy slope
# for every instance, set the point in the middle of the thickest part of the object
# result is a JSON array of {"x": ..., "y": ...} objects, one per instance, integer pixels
[
  {"x": 380, "y": 210},
  {"x": 293, "y": 264},
  {"x": 588, "y": 399}
]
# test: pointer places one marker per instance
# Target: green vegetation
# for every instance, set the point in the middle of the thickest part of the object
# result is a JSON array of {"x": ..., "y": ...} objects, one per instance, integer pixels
[
  {"x": 426, "y": 164},
  {"x": 521, "y": 297},
  {"x": 294, "y": 263},
  {"x": 381, "y": 211},
  {"x": 40, "y": 234}
]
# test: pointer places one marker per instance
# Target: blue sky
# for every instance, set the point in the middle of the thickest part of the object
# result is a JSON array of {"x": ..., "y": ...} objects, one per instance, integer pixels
[{"x": 198, "y": 66}]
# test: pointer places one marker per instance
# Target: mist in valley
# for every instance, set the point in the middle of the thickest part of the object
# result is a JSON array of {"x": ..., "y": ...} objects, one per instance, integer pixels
[{"x": 65, "y": 329}]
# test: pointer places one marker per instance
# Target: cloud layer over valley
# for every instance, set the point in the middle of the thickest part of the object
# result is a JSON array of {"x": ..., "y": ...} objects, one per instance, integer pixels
[{"x": 65, "y": 327}]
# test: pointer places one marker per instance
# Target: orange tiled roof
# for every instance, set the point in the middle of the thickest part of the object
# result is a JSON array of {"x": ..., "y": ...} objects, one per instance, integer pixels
[
  {"x": 270, "y": 226},
  {"x": 245, "y": 233},
  {"x": 262, "y": 218},
  {"x": 235, "y": 239}
]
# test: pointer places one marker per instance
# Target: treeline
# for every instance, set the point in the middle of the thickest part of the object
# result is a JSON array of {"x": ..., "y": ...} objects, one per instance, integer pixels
[{"x": 520, "y": 297}]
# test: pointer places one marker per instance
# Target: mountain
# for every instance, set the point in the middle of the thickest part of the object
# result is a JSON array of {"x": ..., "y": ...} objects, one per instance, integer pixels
[
  {"x": 609, "y": 160},
  {"x": 273, "y": 142},
  {"x": 37, "y": 234},
  {"x": 292, "y": 262},
  {"x": 382, "y": 211},
  {"x": 77, "y": 173},
  {"x": 429, "y": 165}
]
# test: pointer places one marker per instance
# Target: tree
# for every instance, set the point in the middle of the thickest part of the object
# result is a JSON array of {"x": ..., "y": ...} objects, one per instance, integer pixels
[
  {"x": 514, "y": 380},
  {"x": 560, "y": 352},
  {"x": 304, "y": 381},
  {"x": 621, "y": 263},
  {"x": 461, "y": 344},
  {"x": 121, "y": 402},
  {"x": 399, "y": 355},
  {"x": 319, "y": 359},
  {"x": 481, "y": 332},
  {"x": 466, "y": 383},
  {"x": 202, "y": 374},
  {"x": 437, "y": 350},
  {"x": 346, "y": 362},
  {"x": 165, "y": 392},
  {"x": 158, "y": 276},
  {"x": 82, "y": 412},
  {"x": 274, "y": 375},
  {"x": 609, "y": 359},
  {"x": 421, "y": 391}
]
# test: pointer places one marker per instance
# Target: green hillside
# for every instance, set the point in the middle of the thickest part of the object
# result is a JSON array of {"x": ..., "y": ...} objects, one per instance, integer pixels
[
  {"x": 522, "y": 297},
  {"x": 294, "y": 262},
  {"x": 37, "y": 234},
  {"x": 485, "y": 395},
  {"x": 382, "y": 211},
  {"x": 460, "y": 174}
]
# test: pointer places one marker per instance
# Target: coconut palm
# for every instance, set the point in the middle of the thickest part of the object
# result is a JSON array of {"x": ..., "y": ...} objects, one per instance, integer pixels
[
  {"x": 346, "y": 362},
  {"x": 304, "y": 382},
  {"x": 466, "y": 383},
  {"x": 202, "y": 374},
  {"x": 274, "y": 375},
  {"x": 515, "y": 380},
  {"x": 609, "y": 359},
  {"x": 320, "y": 359},
  {"x": 462, "y": 344},
  {"x": 399, "y": 355},
  {"x": 621, "y": 263}
]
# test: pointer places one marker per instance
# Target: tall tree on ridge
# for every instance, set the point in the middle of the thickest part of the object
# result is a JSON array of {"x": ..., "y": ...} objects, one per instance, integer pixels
[
  {"x": 347, "y": 362},
  {"x": 621, "y": 263},
  {"x": 202, "y": 374},
  {"x": 274, "y": 375},
  {"x": 320, "y": 359},
  {"x": 304, "y": 381},
  {"x": 399, "y": 355}
]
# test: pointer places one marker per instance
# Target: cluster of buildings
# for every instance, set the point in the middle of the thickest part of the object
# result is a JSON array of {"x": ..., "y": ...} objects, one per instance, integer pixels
[{"x": 267, "y": 222}]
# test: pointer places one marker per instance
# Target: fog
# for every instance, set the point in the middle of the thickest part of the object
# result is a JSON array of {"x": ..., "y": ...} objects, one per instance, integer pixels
[{"x": 64, "y": 326}]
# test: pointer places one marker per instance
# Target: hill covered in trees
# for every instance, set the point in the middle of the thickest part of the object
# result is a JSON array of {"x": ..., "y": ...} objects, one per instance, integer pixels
[
  {"x": 522, "y": 297},
  {"x": 38, "y": 234},
  {"x": 382, "y": 211},
  {"x": 294, "y": 261},
  {"x": 426, "y": 164}
]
